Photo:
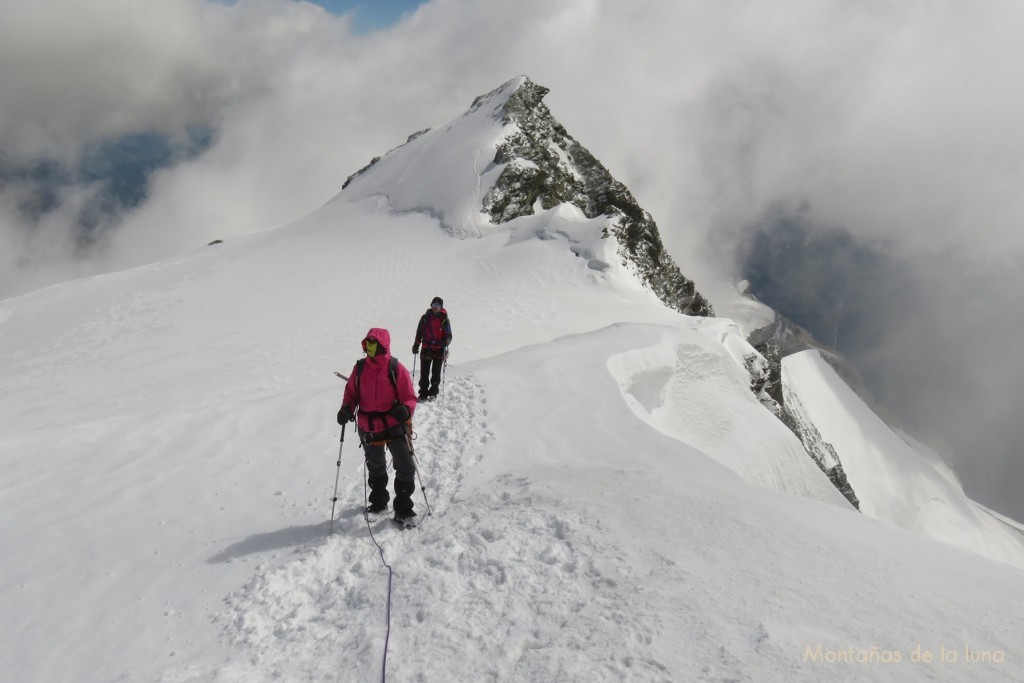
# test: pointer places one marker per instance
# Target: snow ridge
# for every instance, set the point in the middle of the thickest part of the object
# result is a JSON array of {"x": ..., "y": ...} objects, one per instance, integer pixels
[
  {"x": 534, "y": 166},
  {"x": 878, "y": 462}
]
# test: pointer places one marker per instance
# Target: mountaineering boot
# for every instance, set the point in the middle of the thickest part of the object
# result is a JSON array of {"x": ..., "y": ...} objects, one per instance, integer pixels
[
  {"x": 404, "y": 513},
  {"x": 407, "y": 522},
  {"x": 379, "y": 496}
]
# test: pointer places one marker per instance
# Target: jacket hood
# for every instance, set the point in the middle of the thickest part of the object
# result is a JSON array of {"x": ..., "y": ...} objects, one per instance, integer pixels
[{"x": 382, "y": 336}]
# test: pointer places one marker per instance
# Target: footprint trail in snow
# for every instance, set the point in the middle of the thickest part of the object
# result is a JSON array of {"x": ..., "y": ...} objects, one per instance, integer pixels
[{"x": 495, "y": 585}]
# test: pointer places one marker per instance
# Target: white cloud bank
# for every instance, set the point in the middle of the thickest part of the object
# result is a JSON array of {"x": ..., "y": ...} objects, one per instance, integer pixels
[{"x": 896, "y": 120}]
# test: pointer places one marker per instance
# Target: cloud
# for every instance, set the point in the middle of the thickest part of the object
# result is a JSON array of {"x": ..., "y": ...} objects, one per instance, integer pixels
[
  {"x": 948, "y": 364},
  {"x": 897, "y": 122},
  {"x": 894, "y": 120}
]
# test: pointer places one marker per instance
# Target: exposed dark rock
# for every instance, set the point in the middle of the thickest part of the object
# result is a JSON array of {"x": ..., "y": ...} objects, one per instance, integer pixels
[
  {"x": 358, "y": 173},
  {"x": 545, "y": 166},
  {"x": 790, "y": 338},
  {"x": 782, "y": 338},
  {"x": 374, "y": 160},
  {"x": 821, "y": 452},
  {"x": 770, "y": 379}
]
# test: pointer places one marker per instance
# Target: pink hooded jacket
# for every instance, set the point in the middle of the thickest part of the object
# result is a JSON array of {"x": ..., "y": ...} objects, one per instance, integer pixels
[{"x": 376, "y": 394}]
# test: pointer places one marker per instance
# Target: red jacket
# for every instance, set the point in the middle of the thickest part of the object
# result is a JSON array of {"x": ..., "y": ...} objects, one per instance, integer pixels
[{"x": 372, "y": 392}]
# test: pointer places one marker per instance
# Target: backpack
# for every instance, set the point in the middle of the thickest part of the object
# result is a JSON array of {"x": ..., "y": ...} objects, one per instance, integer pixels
[{"x": 427, "y": 329}]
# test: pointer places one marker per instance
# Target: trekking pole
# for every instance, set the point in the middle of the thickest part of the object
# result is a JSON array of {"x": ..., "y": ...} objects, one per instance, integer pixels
[
  {"x": 416, "y": 466},
  {"x": 444, "y": 369},
  {"x": 337, "y": 476}
]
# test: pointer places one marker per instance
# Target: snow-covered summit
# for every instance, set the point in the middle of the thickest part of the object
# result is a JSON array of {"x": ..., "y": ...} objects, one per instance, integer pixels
[{"x": 506, "y": 158}]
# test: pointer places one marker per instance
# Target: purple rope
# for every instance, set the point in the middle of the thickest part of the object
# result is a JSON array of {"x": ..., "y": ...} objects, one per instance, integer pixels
[{"x": 387, "y": 637}]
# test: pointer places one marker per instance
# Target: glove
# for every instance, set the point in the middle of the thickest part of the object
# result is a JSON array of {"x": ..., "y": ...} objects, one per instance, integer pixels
[
  {"x": 400, "y": 412},
  {"x": 415, "y": 349},
  {"x": 345, "y": 415}
]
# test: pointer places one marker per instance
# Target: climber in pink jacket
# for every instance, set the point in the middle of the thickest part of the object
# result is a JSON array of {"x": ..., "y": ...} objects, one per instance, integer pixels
[{"x": 380, "y": 396}]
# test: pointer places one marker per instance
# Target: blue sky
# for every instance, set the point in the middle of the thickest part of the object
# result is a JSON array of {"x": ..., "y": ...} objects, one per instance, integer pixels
[{"x": 370, "y": 14}]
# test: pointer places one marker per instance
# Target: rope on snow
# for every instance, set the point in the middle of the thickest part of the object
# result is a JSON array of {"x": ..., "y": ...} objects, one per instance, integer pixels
[{"x": 387, "y": 637}]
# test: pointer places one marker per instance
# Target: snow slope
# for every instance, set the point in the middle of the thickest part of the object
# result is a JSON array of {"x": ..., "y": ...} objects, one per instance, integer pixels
[
  {"x": 568, "y": 544},
  {"x": 609, "y": 500},
  {"x": 444, "y": 171},
  {"x": 894, "y": 478}
]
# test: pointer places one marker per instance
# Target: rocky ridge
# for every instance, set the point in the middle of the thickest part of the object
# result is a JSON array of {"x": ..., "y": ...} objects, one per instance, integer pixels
[{"x": 544, "y": 166}]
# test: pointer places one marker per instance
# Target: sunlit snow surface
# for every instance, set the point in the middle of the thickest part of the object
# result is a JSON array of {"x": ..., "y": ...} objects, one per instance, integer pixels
[{"x": 610, "y": 502}]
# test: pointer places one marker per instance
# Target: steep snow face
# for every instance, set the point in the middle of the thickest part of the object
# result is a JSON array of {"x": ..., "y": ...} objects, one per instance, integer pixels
[
  {"x": 681, "y": 386},
  {"x": 894, "y": 480},
  {"x": 444, "y": 172}
]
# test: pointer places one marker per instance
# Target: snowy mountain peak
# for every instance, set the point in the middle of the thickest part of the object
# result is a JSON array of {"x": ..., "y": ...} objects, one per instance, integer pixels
[
  {"x": 508, "y": 158},
  {"x": 520, "y": 88}
]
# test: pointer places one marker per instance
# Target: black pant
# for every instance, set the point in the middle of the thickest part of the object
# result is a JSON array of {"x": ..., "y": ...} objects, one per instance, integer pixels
[
  {"x": 430, "y": 372},
  {"x": 377, "y": 474}
]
